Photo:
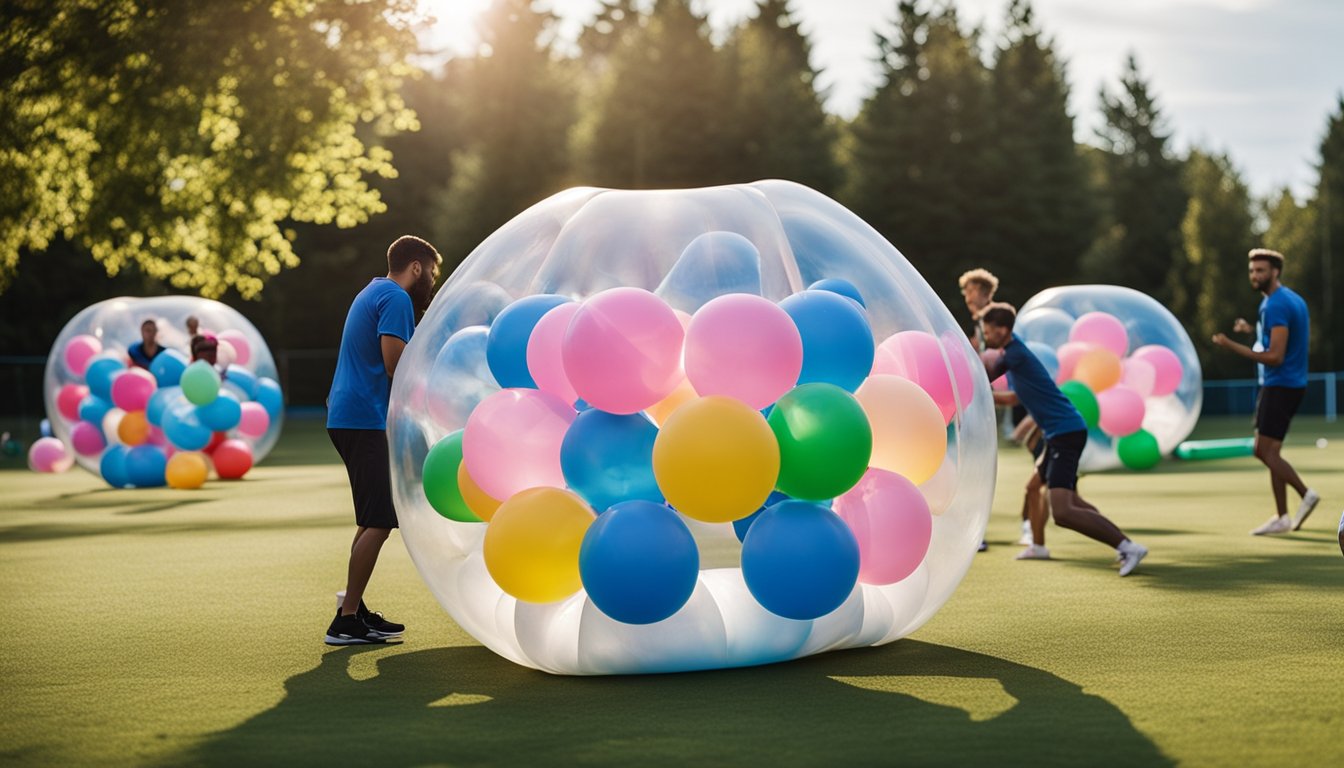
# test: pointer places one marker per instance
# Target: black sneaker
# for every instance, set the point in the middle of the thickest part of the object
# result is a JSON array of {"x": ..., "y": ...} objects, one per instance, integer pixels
[
  {"x": 351, "y": 630},
  {"x": 375, "y": 621}
]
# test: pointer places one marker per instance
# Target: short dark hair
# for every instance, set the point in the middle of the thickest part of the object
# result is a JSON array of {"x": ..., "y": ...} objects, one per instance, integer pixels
[
  {"x": 408, "y": 249},
  {"x": 148, "y": 321},
  {"x": 1000, "y": 314},
  {"x": 1274, "y": 258}
]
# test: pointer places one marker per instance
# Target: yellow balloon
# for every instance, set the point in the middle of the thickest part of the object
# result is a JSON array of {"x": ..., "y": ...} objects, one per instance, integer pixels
[
  {"x": 661, "y": 410},
  {"x": 478, "y": 501},
  {"x": 1098, "y": 368},
  {"x": 531, "y": 546},
  {"x": 133, "y": 428},
  {"x": 716, "y": 459},
  {"x": 186, "y": 469},
  {"x": 909, "y": 436}
]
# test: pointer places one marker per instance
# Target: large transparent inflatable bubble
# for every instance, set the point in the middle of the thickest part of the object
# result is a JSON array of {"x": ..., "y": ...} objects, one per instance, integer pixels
[
  {"x": 1125, "y": 362},
  {"x": 177, "y": 420},
  {"x": 654, "y": 431}
]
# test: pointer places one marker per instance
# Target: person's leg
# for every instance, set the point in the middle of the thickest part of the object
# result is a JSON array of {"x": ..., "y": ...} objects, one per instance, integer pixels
[
  {"x": 1090, "y": 523},
  {"x": 1036, "y": 508},
  {"x": 363, "y": 558},
  {"x": 1269, "y": 451}
]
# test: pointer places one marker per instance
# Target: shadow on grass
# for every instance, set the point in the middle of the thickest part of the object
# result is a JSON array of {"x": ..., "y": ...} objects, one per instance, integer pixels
[
  {"x": 1310, "y": 561},
  {"x": 909, "y": 702},
  {"x": 55, "y": 531}
]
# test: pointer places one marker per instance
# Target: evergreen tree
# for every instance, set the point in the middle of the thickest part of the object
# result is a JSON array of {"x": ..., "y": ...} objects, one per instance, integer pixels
[
  {"x": 1295, "y": 231},
  {"x": 1329, "y": 275}
]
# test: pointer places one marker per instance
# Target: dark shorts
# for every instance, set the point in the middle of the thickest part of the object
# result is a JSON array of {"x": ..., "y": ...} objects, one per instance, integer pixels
[
  {"x": 1058, "y": 462},
  {"x": 365, "y": 454},
  {"x": 1274, "y": 410}
]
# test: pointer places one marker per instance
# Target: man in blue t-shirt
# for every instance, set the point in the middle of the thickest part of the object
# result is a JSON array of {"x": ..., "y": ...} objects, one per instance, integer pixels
[
  {"x": 378, "y": 326},
  {"x": 1280, "y": 354},
  {"x": 143, "y": 352},
  {"x": 1065, "y": 436}
]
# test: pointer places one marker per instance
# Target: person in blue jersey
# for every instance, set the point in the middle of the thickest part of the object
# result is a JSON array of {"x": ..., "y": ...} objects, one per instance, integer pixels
[
  {"x": 1280, "y": 355},
  {"x": 143, "y": 352},
  {"x": 1065, "y": 436},
  {"x": 380, "y": 322}
]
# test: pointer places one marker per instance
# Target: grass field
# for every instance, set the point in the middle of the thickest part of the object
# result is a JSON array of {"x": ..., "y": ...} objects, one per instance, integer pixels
[{"x": 164, "y": 628}]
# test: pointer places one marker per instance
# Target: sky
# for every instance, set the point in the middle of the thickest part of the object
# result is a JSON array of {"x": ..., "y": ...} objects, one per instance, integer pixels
[{"x": 1256, "y": 79}]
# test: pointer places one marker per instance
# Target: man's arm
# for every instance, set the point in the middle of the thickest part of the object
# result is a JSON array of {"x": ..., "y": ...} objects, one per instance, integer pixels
[
  {"x": 392, "y": 349},
  {"x": 1006, "y": 398},
  {"x": 1278, "y": 345}
]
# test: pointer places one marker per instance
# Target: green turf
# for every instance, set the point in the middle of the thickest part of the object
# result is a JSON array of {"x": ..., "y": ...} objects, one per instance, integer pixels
[{"x": 162, "y": 627}]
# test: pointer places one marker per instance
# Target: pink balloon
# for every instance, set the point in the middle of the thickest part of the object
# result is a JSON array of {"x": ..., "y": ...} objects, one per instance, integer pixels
[
  {"x": 917, "y": 356},
  {"x": 255, "y": 420},
  {"x": 132, "y": 388},
  {"x": 743, "y": 346},
  {"x": 1121, "y": 411},
  {"x": 958, "y": 360},
  {"x": 1166, "y": 365},
  {"x": 48, "y": 454},
  {"x": 68, "y": 399},
  {"x": 622, "y": 351},
  {"x": 1000, "y": 384},
  {"x": 891, "y": 521},
  {"x": 78, "y": 352},
  {"x": 156, "y": 436},
  {"x": 1103, "y": 329},
  {"x": 225, "y": 354},
  {"x": 545, "y": 359},
  {"x": 1138, "y": 375},
  {"x": 1069, "y": 352},
  {"x": 87, "y": 439},
  {"x": 512, "y": 441},
  {"x": 241, "y": 348}
]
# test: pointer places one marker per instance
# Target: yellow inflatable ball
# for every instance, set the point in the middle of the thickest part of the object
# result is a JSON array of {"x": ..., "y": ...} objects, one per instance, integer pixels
[
  {"x": 186, "y": 470},
  {"x": 909, "y": 437},
  {"x": 478, "y": 501},
  {"x": 133, "y": 429},
  {"x": 531, "y": 546},
  {"x": 1098, "y": 368},
  {"x": 716, "y": 459}
]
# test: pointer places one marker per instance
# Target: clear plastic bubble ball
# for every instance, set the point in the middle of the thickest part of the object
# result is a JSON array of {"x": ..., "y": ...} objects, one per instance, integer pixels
[
  {"x": 693, "y": 376},
  {"x": 1127, "y": 364},
  {"x": 124, "y": 423}
]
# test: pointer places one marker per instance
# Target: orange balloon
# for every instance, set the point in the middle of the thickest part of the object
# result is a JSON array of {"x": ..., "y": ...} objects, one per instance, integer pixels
[
  {"x": 134, "y": 428},
  {"x": 478, "y": 501},
  {"x": 531, "y": 546},
  {"x": 1099, "y": 369},
  {"x": 186, "y": 469},
  {"x": 909, "y": 436},
  {"x": 661, "y": 410}
]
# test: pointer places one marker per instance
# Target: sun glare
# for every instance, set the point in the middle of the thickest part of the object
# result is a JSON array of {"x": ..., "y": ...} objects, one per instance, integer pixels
[{"x": 453, "y": 22}]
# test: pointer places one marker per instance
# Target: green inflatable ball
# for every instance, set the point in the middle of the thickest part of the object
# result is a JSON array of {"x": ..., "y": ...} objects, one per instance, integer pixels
[
  {"x": 1082, "y": 399},
  {"x": 200, "y": 383},
  {"x": 1139, "y": 450},
  {"x": 439, "y": 478},
  {"x": 824, "y": 439}
]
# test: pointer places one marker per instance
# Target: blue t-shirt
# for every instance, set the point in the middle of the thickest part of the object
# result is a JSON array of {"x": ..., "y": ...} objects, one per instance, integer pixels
[
  {"x": 1284, "y": 307},
  {"x": 138, "y": 355},
  {"x": 361, "y": 387},
  {"x": 1036, "y": 389}
]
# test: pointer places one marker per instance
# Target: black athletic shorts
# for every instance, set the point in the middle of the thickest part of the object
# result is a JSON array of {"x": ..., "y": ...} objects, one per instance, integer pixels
[
  {"x": 1058, "y": 462},
  {"x": 1274, "y": 410},
  {"x": 365, "y": 454}
]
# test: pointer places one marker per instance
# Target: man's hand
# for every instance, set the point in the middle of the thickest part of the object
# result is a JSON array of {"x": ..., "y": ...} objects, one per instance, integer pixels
[
  {"x": 1221, "y": 339},
  {"x": 1241, "y": 326}
]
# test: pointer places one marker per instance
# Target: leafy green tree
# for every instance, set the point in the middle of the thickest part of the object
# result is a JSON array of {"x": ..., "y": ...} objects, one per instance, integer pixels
[
  {"x": 1295, "y": 231},
  {"x": 182, "y": 137},
  {"x": 1326, "y": 275}
]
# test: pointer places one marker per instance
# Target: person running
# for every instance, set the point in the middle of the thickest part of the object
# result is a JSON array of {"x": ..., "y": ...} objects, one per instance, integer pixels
[
  {"x": 378, "y": 326},
  {"x": 1065, "y": 436},
  {"x": 1281, "y": 360},
  {"x": 143, "y": 352}
]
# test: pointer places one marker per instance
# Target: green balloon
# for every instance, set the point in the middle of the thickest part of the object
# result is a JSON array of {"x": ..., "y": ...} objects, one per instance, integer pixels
[
  {"x": 200, "y": 383},
  {"x": 1139, "y": 450},
  {"x": 824, "y": 438},
  {"x": 439, "y": 478},
  {"x": 1082, "y": 399}
]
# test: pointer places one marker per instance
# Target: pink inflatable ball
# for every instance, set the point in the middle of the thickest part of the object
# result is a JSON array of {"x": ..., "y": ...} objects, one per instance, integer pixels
[
  {"x": 1102, "y": 329},
  {"x": 255, "y": 421},
  {"x": 68, "y": 400},
  {"x": 1138, "y": 375},
  {"x": 745, "y": 347},
  {"x": 237, "y": 341},
  {"x": 1166, "y": 365},
  {"x": 1069, "y": 355},
  {"x": 1122, "y": 411},
  {"x": 48, "y": 454},
  {"x": 132, "y": 388},
  {"x": 225, "y": 355},
  {"x": 917, "y": 356},
  {"x": 960, "y": 358},
  {"x": 891, "y": 521},
  {"x": 87, "y": 439},
  {"x": 79, "y": 351},
  {"x": 512, "y": 441},
  {"x": 622, "y": 352},
  {"x": 545, "y": 358}
]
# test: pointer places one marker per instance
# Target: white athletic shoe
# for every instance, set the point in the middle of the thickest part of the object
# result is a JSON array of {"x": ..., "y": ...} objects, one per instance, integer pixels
[
  {"x": 1274, "y": 526},
  {"x": 1309, "y": 501},
  {"x": 1034, "y": 552},
  {"x": 1130, "y": 555},
  {"x": 1025, "y": 540}
]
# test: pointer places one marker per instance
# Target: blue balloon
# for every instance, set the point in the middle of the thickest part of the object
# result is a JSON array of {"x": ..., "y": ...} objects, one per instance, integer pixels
[
  {"x": 506, "y": 346},
  {"x": 160, "y": 401},
  {"x": 246, "y": 380},
  {"x": 113, "y": 467},
  {"x": 184, "y": 429},
  {"x": 800, "y": 560},
  {"x": 837, "y": 340},
  {"x": 220, "y": 414},
  {"x": 842, "y": 287},
  {"x": 740, "y": 527},
  {"x": 607, "y": 458},
  {"x": 44, "y": 427},
  {"x": 100, "y": 373},
  {"x": 639, "y": 562},
  {"x": 270, "y": 397},
  {"x": 146, "y": 466},
  {"x": 93, "y": 408},
  {"x": 168, "y": 366}
]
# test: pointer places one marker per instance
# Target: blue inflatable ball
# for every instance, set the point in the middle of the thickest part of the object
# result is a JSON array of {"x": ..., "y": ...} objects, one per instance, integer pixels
[
  {"x": 270, "y": 397},
  {"x": 100, "y": 373},
  {"x": 93, "y": 408},
  {"x": 837, "y": 340},
  {"x": 842, "y": 287},
  {"x": 113, "y": 467},
  {"x": 1046, "y": 354},
  {"x": 244, "y": 379},
  {"x": 800, "y": 560},
  {"x": 607, "y": 458},
  {"x": 168, "y": 366},
  {"x": 506, "y": 346},
  {"x": 160, "y": 401},
  {"x": 184, "y": 429},
  {"x": 146, "y": 466},
  {"x": 44, "y": 427},
  {"x": 740, "y": 527},
  {"x": 220, "y": 414},
  {"x": 639, "y": 562}
]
